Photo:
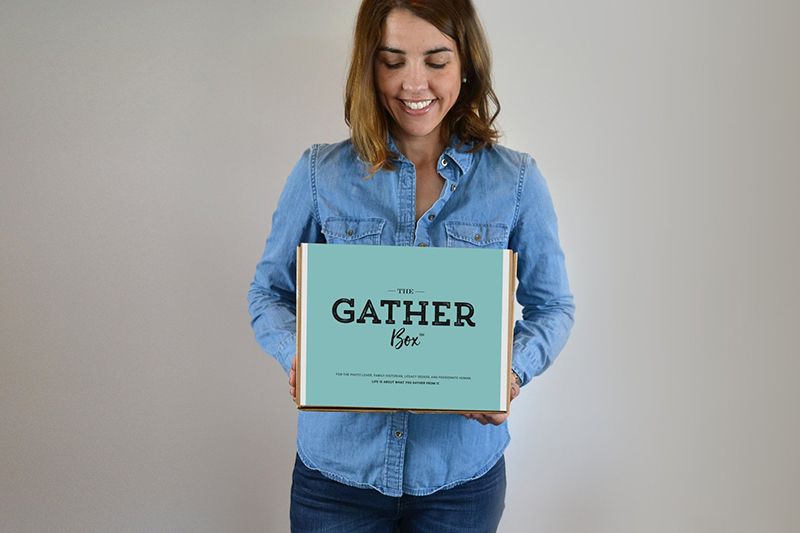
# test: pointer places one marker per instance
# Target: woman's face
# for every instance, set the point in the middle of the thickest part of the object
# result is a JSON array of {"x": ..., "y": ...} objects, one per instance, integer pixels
[{"x": 418, "y": 76}]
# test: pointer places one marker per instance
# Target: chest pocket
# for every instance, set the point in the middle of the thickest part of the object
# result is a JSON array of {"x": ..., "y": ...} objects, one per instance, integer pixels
[
  {"x": 340, "y": 230},
  {"x": 465, "y": 235}
]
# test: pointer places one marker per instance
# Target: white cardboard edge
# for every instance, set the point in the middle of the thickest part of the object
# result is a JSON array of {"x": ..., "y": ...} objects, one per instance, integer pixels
[
  {"x": 303, "y": 328},
  {"x": 504, "y": 337}
]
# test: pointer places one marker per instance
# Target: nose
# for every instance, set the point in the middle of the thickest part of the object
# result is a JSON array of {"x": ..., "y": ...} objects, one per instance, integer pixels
[{"x": 414, "y": 79}]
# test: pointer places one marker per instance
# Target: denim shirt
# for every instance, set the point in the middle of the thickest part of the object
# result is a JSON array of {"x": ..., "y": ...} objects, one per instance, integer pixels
[{"x": 493, "y": 198}]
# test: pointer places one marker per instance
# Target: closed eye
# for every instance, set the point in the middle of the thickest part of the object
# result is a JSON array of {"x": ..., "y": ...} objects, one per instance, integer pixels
[{"x": 393, "y": 66}]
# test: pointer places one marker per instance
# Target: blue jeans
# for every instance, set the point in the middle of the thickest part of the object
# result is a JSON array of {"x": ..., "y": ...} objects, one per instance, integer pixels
[{"x": 321, "y": 504}]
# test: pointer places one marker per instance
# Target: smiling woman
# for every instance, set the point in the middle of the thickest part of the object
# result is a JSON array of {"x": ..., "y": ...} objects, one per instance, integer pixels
[
  {"x": 419, "y": 55},
  {"x": 418, "y": 76},
  {"x": 422, "y": 167}
]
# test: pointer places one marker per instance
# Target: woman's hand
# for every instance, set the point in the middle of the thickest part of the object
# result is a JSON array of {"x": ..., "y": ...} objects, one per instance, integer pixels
[
  {"x": 293, "y": 379},
  {"x": 495, "y": 419}
]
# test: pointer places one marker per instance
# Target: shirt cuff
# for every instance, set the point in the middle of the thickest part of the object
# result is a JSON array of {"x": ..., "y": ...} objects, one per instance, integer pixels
[{"x": 516, "y": 375}]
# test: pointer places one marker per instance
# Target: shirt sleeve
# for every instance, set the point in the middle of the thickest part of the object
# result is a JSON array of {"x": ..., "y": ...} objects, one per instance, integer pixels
[
  {"x": 548, "y": 309},
  {"x": 272, "y": 296}
]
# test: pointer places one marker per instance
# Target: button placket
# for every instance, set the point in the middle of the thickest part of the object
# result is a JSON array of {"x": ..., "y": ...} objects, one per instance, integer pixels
[
  {"x": 398, "y": 425},
  {"x": 406, "y": 233}
]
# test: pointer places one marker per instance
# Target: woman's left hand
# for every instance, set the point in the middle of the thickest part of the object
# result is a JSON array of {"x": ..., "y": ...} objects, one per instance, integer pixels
[{"x": 499, "y": 418}]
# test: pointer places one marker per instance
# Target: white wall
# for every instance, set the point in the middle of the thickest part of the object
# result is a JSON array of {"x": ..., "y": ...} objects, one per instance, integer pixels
[{"x": 142, "y": 149}]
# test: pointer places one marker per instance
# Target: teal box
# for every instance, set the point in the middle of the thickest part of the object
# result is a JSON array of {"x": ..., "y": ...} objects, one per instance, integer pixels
[{"x": 404, "y": 328}]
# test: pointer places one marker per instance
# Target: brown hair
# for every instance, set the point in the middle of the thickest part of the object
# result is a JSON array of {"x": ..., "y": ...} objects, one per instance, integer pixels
[{"x": 472, "y": 115}]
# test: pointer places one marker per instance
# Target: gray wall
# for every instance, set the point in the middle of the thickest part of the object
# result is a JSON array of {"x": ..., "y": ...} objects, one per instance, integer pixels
[{"x": 142, "y": 148}]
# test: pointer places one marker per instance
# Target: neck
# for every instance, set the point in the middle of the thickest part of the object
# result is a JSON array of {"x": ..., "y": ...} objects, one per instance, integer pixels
[{"x": 421, "y": 151}]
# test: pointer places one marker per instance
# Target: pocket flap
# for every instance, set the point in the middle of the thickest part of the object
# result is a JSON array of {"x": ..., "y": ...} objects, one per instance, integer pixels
[
  {"x": 477, "y": 234},
  {"x": 349, "y": 229}
]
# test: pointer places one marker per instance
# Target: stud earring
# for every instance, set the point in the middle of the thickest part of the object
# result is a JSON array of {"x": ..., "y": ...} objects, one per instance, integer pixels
[{"x": 464, "y": 79}]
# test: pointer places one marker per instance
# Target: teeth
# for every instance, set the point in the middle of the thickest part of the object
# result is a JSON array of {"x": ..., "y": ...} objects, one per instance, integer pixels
[{"x": 417, "y": 105}]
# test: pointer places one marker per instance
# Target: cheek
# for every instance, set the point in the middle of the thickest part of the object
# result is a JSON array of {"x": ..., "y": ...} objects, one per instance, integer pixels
[
  {"x": 456, "y": 90},
  {"x": 449, "y": 98},
  {"x": 456, "y": 86},
  {"x": 384, "y": 80},
  {"x": 449, "y": 86},
  {"x": 383, "y": 98}
]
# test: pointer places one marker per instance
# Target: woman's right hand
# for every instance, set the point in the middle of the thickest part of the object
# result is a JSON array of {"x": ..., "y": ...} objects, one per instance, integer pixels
[{"x": 293, "y": 379}]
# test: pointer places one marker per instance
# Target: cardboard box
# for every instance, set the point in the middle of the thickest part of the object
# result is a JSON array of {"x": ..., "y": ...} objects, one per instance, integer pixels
[{"x": 386, "y": 328}]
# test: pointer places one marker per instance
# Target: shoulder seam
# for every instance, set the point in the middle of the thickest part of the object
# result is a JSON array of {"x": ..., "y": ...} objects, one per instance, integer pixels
[
  {"x": 522, "y": 169},
  {"x": 312, "y": 171}
]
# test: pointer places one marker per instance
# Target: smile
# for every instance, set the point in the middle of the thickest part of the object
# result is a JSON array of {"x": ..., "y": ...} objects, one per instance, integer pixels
[{"x": 418, "y": 105}]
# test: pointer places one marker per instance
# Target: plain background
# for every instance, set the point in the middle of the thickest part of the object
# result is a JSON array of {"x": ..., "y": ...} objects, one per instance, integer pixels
[{"x": 142, "y": 149}]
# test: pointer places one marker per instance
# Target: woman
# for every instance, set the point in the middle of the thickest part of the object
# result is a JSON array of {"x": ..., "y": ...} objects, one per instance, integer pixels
[{"x": 422, "y": 168}]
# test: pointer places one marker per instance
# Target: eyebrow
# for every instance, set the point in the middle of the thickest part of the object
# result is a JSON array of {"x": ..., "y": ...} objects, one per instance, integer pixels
[{"x": 427, "y": 53}]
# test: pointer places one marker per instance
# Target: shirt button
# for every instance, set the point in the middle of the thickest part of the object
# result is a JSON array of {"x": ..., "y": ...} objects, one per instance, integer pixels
[
  {"x": 423, "y": 244},
  {"x": 477, "y": 236},
  {"x": 431, "y": 217},
  {"x": 453, "y": 187},
  {"x": 349, "y": 232},
  {"x": 444, "y": 162},
  {"x": 398, "y": 434}
]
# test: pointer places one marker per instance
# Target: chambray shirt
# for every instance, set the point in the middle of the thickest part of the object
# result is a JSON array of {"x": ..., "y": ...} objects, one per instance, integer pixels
[{"x": 494, "y": 198}]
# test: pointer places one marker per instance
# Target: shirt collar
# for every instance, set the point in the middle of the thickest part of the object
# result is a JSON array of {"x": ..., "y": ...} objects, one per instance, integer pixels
[{"x": 459, "y": 155}]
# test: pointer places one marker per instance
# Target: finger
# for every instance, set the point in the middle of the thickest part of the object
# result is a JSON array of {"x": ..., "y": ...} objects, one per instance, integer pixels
[
  {"x": 497, "y": 419},
  {"x": 292, "y": 378},
  {"x": 477, "y": 417},
  {"x": 294, "y": 362}
]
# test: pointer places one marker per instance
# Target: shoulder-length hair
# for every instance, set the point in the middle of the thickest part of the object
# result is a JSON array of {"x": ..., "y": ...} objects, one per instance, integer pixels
[{"x": 471, "y": 117}]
